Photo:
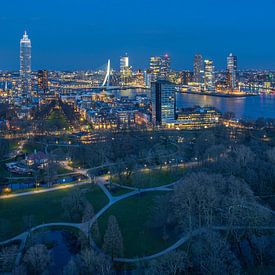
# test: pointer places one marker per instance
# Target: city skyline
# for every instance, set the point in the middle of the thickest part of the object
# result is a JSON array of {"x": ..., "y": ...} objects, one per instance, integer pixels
[{"x": 85, "y": 36}]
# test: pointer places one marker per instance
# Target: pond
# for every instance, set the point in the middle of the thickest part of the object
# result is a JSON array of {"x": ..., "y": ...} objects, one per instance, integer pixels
[{"x": 63, "y": 244}]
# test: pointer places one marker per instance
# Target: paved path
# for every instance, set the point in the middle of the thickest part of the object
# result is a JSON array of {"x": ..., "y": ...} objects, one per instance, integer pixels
[
  {"x": 84, "y": 227},
  {"x": 46, "y": 190},
  {"x": 183, "y": 240}
]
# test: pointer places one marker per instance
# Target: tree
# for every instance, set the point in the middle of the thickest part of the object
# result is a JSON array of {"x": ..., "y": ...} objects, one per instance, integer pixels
[
  {"x": 91, "y": 262},
  {"x": 113, "y": 242},
  {"x": 74, "y": 204},
  {"x": 160, "y": 216},
  {"x": 4, "y": 147},
  {"x": 271, "y": 154},
  {"x": 89, "y": 217},
  {"x": 19, "y": 270},
  {"x": 205, "y": 140},
  {"x": 212, "y": 255},
  {"x": 51, "y": 170},
  {"x": 243, "y": 155},
  {"x": 7, "y": 257},
  {"x": 175, "y": 262},
  {"x": 195, "y": 200},
  {"x": 37, "y": 259},
  {"x": 71, "y": 268}
]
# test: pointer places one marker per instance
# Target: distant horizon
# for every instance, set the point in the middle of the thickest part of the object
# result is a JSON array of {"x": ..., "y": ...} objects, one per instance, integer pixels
[{"x": 84, "y": 35}]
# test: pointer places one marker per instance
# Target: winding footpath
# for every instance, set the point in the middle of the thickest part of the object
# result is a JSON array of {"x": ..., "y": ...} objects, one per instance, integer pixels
[{"x": 84, "y": 227}]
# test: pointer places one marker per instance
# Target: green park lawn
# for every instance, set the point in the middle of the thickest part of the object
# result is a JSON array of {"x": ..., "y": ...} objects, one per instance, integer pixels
[
  {"x": 44, "y": 208},
  {"x": 151, "y": 177},
  {"x": 133, "y": 214},
  {"x": 56, "y": 119}
]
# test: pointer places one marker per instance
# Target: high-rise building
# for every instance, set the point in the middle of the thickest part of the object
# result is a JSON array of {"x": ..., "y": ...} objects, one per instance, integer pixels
[
  {"x": 42, "y": 81},
  {"x": 25, "y": 64},
  {"x": 165, "y": 67},
  {"x": 125, "y": 70},
  {"x": 231, "y": 71},
  {"x": 155, "y": 66},
  {"x": 160, "y": 67},
  {"x": 198, "y": 68},
  {"x": 163, "y": 102},
  {"x": 209, "y": 81}
]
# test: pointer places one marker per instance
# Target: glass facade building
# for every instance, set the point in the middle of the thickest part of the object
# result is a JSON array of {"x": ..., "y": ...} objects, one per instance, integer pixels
[
  {"x": 209, "y": 80},
  {"x": 231, "y": 72},
  {"x": 198, "y": 68},
  {"x": 163, "y": 102}
]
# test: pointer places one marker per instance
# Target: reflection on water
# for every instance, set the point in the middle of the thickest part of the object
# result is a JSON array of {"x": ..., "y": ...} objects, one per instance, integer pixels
[
  {"x": 62, "y": 244},
  {"x": 130, "y": 93},
  {"x": 251, "y": 107}
]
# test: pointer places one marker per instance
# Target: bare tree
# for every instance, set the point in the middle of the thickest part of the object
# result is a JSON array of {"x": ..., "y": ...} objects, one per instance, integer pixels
[
  {"x": 113, "y": 242},
  {"x": 71, "y": 268},
  {"x": 91, "y": 262},
  {"x": 243, "y": 155},
  {"x": 212, "y": 255},
  {"x": 88, "y": 217},
  {"x": 7, "y": 257},
  {"x": 37, "y": 259},
  {"x": 74, "y": 204},
  {"x": 175, "y": 262}
]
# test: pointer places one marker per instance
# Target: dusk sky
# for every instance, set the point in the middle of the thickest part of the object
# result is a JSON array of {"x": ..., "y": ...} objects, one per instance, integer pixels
[{"x": 84, "y": 34}]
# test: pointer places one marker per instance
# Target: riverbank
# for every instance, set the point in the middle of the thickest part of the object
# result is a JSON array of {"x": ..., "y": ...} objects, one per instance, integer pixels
[{"x": 219, "y": 94}]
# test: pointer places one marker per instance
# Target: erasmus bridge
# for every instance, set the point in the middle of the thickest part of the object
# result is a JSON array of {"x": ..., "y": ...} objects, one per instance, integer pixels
[{"x": 107, "y": 79}]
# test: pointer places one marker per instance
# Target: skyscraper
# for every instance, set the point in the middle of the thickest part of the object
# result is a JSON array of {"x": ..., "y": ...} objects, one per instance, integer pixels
[
  {"x": 198, "y": 68},
  {"x": 125, "y": 70},
  {"x": 42, "y": 81},
  {"x": 231, "y": 71},
  {"x": 209, "y": 75},
  {"x": 160, "y": 67},
  {"x": 165, "y": 67},
  {"x": 163, "y": 102},
  {"x": 25, "y": 64},
  {"x": 155, "y": 66}
]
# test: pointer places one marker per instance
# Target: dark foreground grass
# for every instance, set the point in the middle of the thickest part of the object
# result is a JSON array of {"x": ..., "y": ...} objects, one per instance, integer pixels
[
  {"x": 133, "y": 215},
  {"x": 44, "y": 208},
  {"x": 146, "y": 178}
]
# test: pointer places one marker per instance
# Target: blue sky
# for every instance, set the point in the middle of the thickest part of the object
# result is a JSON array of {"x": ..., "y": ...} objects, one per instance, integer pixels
[{"x": 83, "y": 34}]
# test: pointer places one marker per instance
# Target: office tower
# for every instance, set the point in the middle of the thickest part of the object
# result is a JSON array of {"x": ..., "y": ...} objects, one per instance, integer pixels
[
  {"x": 42, "y": 81},
  {"x": 165, "y": 67},
  {"x": 25, "y": 64},
  {"x": 155, "y": 66},
  {"x": 160, "y": 67},
  {"x": 163, "y": 102},
  {"x": 209, "y": 75},
  {"x": 125, "y": 70},
  {"x": 198, "y": 68},
  {"x": 231, "y": 71}
]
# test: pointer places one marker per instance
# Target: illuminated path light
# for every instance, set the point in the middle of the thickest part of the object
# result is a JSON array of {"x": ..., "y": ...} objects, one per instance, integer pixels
[{"x": 84, "y": 227}]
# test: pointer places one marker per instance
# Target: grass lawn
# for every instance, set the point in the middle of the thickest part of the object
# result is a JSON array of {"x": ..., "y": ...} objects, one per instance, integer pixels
[
  {"x": 132, "y": 215},
  {"x": 151, "y": 177},
  {"x": 118, "y": 191},
  {"x": 44, "y": 208}
]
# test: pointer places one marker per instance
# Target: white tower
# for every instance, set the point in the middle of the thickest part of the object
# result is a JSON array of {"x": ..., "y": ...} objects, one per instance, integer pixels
[{"x": 25, "y": 64}]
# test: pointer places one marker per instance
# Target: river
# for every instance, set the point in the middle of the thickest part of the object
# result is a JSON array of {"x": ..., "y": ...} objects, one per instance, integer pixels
[{"x": 251, "y": 107}]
